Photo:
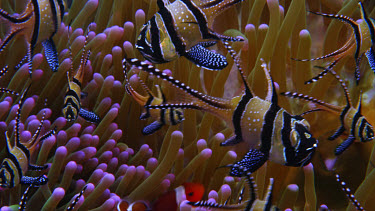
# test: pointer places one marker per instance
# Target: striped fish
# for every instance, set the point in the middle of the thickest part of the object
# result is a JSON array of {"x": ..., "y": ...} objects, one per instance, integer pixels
[
  {"x": 17, "y": 161},
  {"x": 262, "y": 128},
  {"x": 361, "y": 42},
  {"x": 183, "y": 28},
  {"x": 351, "y": 118},
  {"x": 72, "y": 101},
  {"x": 38, "y": 23},
  {"x": 252, "y": 204},
  {"x": 169, "y": 116}
]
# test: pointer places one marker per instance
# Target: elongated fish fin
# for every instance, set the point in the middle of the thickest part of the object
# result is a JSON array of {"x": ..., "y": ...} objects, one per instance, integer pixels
[
  {"x": 271, "y": 90},
  {"x": 342, "y": 84},
  {"x": 24, "y": 197},
  {"x": 325, "y": 105},
  {"x": 370, "y": 54},
  {"x": 206, "y": 58},
  {"x": 37, "y": 168},
  {"x": 214, "y": 206},
  {"x": 310, "y": 111},
  {"x": 215, "y": 102},
  {"x": 349, "y": 21},
  {"x": 349, "y": 194},
  {"x": 252, "y": 161},
  {"x": 269, "y": 195},
  {"x": 152, "y": 128},
  {"x": 51, "y": 54},
  {"x": 8, "y": 38},
  {"x": 344, "y": 145},
  {"x": 75, "y": 201},
  {"x": 89, "y": 116}
]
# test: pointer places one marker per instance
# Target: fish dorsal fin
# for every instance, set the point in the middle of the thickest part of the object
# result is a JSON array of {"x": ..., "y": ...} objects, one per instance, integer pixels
[
  {"x": 18, "y": 115},
  {"x": 369, "y": 23},
  {"x": 233, "y": 54},
  {"x": 271, "y": 90},
  {"x": 342, "y": 84},
  {"x": 359, "y": 105},
  {"x": 84, "y": 57}
]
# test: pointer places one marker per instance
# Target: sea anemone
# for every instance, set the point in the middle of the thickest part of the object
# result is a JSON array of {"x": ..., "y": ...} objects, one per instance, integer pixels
[{"x": 117, "y": 162}]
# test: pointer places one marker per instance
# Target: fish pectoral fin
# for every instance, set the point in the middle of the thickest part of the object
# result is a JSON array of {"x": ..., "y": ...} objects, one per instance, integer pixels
[
  {"x": 231, "y": 141},
  {"x": 206, "y": 58},
  {"x": 251, "y": 162},
  {"x": 152, "y": 128},
  {"x": 51, "y": 54},
  {"x": 89, "y": 116},
  {"x": 370, "y": 54},
  {"x": 344, "y": 145},
  {"x": 35, "y": 181}
]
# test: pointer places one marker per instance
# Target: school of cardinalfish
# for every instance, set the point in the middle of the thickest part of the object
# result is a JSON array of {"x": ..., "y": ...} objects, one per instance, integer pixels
[{"x": 262, "y": 130}]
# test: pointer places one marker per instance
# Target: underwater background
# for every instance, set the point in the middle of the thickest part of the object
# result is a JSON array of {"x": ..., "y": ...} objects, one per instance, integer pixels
[{"x": 122, "y": 164}]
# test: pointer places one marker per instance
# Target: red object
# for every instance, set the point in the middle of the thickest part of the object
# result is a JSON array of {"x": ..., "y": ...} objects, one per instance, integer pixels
[{"x": 194, "y": 192}]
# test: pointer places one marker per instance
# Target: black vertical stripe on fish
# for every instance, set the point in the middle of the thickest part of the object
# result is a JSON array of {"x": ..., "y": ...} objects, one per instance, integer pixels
[
  {"x": 72, "y": 93},
  {"x": 54, "y": 16},
  {"x": 70, "y": 100},
  {"x": 171, "y": 117},
  {"x": 357, "y": 115},
  {"x": 155, "y": 38},
  {"x": 237, "y": 115},
  {"x": 202, "y": 22},
  {"x": 268, "y": 127},
  {"x": 169, "y": 25},
  {"x": 11, "y": 172},
  {"x": 361, "y": 128},
  {"x": 77, "y": 82},
  {"x": 23, "y": 148},
  {"x": 34, "y": 38},
  {"x": 62, "y": 8},
  {"x": 15, "y": 161},
  {"x": 285, "y": 138},
  {"x": 162, "y": 116}
]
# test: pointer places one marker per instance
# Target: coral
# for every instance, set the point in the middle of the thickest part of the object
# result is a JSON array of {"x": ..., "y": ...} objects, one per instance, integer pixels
[{"x": 118, "y": 162}]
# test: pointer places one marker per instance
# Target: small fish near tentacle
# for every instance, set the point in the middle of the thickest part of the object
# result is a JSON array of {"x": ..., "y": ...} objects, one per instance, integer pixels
[
  {"x": 164, "y": 116},
  {"x": 17, "y": 161},
  {"x": 72, "y": 101},
  {"x": 180, "y": 28},
  {"x": 360, "y": 43},
  {"x": 254, "y": 121},
  {"x": 38, "y": 23},
  {"x": 351, "y": 118}
]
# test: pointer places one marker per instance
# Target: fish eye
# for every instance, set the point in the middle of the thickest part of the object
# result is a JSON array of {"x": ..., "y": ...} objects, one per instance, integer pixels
[{"x": 307, "y": 135}]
